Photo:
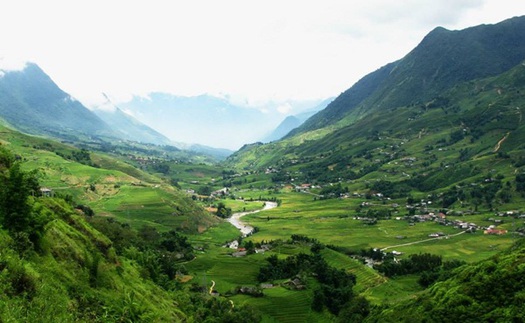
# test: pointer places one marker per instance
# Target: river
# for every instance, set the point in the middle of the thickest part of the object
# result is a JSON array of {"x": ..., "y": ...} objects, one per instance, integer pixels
[{"x": 246, "y": 229}]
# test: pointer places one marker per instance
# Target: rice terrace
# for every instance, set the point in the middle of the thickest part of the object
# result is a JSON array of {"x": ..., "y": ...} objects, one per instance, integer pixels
[{"x": 234, "y": 162}]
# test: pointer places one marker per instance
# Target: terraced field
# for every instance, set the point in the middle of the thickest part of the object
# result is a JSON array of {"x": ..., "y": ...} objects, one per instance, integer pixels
[
  {"x": 283, "y": 305},
  {"x": 366, "y": 277}
]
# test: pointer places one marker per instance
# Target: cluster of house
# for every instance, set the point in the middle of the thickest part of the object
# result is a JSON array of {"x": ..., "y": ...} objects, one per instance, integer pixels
[
  {"x": 241, "y": 251},
  {"x": 468, "y": 226},
  {"x": 305, "y": 187}
]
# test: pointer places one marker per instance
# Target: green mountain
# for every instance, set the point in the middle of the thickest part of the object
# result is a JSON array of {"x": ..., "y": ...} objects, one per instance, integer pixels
[
  {"x": 488, "y": 291},
  {"x": 443, "y": 128},
  {"x": 32, "y": 102},
  {"x": 443, "y": 59}
]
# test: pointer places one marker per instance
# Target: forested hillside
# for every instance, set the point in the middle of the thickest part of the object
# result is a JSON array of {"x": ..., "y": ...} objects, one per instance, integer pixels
[
  {"x": 489, "y": 291},
  {"x": 449, "y": 134},
  {"x": 442, "y": 60},
  {"x": 60, "y": 263}
]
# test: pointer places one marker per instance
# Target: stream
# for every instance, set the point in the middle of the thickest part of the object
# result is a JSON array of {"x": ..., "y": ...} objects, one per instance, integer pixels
[{"x": 246, "y": 229}]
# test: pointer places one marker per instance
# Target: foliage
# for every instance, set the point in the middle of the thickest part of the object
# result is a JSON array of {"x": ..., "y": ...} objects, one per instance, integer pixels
[
  {"x": 335, "y": 285},
  {"x": 490, "y": 290},
  {"x": 430, "y": 267},
  {"x": 17, "y": 212},
  {"x": 223, "y": 211}
]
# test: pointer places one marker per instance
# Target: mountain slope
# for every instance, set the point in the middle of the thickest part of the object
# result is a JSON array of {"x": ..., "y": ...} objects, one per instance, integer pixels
[
  {"x": 33, "y": 103},
  {"x": 287, "y": 125},
  {"x": 446, "y": 144},
  {"x": 294, "y": 121},
  {"x": 489, "y": 291},
  {"x": 442, "y": 59},
  {"x": 128, "y": 127},
  {"x": 64, "y": 264}
]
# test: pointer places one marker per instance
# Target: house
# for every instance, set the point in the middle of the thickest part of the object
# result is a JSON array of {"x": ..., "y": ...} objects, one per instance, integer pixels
[
  {"x": 46, "y": 192},
  {"x": 239, "y": 254},
  {"x": 222, "y": 192},
  {"x": 233, "y": 245},
  {"x": 495, "y": 231}
]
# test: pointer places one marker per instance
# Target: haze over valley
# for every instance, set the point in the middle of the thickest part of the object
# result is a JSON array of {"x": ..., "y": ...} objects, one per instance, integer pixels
[{"x": 262, "y": 162}]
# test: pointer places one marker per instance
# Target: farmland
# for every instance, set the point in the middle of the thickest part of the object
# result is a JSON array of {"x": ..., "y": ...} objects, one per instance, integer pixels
[{"x": 331, "y": 222}]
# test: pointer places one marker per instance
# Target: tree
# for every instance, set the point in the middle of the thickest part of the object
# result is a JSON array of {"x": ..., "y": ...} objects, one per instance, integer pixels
[
  {"x": 355, "y": 311},
  {"x": 223, "y": 211},
  {"x": 16, "y": 206}
]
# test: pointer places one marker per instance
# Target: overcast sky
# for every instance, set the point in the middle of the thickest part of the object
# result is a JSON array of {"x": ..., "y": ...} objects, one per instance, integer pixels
[{"x": 252, "y": 51}]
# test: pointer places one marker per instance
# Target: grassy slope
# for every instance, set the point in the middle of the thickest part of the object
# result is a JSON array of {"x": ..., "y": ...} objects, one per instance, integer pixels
[
  {"x": 59, "y": 283},
  {"x": 115, "y": 189},
  {"x": 487, "y": 291}
]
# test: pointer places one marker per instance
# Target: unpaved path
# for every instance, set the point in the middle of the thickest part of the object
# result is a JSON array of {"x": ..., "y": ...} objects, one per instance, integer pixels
[
  {"x": 212, "y": 286},
  {"x": 498, "y": 145},
  {"x": 415, "y": 242}
]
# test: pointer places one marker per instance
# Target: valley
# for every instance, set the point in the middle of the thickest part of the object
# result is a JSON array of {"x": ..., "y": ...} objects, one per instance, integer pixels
[{"x": 403, "y": 200}]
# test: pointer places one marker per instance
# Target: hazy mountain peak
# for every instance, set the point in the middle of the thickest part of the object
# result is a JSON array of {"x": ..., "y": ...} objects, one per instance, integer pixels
[
  {"x": 9, "y": 64},
  {"x": 33, "y": 103}
]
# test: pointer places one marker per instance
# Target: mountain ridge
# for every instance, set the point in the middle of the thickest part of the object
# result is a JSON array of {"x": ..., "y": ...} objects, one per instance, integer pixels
[
  {"x": 443, "y": 58},
  {"x": 32, "y": 102}
]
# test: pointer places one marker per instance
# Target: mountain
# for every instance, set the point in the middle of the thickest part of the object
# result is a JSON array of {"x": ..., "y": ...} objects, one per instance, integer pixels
[
  {"x": 442, "y": 116},
  {"x": 204, "y": 119},
  {"x": 31, "y": 102},
  {"x": 211, "y": 121},
  {"x": 288, "y": 124},
  {"x": 128, "y": 127},
  {"x": 218, "y": 153},
  {"x": 443, "y": 59},
  {"x": 294, "y": 121},
  {"x": 488, "y": 291}
]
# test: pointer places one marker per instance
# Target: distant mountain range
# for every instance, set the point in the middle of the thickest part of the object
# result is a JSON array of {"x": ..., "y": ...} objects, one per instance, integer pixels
[
  {"x": 128, "y": 127},
  {"x": 205, "y": 119},
  {"x": 294, "y": 121},
  {"x": 32, "y": 103}
]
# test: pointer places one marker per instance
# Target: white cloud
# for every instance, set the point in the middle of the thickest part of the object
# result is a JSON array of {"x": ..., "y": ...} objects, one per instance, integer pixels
[
  {"x": 11, "y": 63},
  {"x": 285, "y": 108},
  {"x": 253, "y": 51}
]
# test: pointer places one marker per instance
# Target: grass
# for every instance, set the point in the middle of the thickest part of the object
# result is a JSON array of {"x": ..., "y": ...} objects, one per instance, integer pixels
[
  {"x": 137, "y": 198},
  {"x": 394, "y": 290},
  {"x": 366, "y": 277},
  {"x": 282, "y": 305},
  {"x": 332, "y": 222}
]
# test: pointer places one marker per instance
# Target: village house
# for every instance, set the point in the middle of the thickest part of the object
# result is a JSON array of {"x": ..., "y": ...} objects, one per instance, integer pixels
[
  {"x": 222, "y": 192},
  {"x": 233, "y": 245},
  {"x": 493, "y": 230},
  {"x": 46, "y": 192},
  {"x": 436, "y": 235}
]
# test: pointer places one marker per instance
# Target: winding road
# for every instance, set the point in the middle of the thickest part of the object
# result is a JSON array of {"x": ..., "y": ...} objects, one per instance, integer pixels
[{"x": 246, "y": 229}]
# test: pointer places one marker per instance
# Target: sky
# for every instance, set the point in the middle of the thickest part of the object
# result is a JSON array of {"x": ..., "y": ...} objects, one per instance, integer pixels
[{"x": 251, "y": 52}]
